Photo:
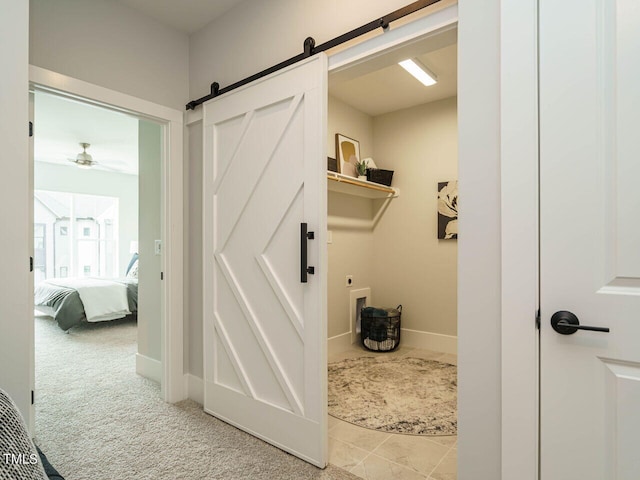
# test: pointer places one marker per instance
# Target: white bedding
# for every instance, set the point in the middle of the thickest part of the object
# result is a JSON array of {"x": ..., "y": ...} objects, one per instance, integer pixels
[{"x": 103, "y": 299}]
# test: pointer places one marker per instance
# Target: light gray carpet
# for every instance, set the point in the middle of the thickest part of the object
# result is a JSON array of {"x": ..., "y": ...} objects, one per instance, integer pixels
[
  {"x": 395, "y": 394},
  {"x": 97, "y": 419}
]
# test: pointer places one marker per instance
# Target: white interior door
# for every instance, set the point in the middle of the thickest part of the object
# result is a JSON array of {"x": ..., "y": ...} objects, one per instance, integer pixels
[
  {"x": 590, "y": 238},
  {"x": 265, "y": 330}
]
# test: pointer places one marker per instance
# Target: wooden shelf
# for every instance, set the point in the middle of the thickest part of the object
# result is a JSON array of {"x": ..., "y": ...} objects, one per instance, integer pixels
[{"x": 360, "y": 188}]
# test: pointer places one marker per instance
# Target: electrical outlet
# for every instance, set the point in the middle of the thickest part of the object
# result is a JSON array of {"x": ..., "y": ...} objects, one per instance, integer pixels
[{"x": 349, "y": 280}]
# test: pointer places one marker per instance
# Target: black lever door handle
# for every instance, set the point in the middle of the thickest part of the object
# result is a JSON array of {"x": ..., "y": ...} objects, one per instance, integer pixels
[
  {"x": 566, "y": 323},
  {"x": 304, "y": 269}
]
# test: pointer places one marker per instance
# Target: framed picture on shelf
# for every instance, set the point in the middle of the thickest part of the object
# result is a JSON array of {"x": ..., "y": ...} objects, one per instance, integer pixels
[
  {"x": 332, "y": 164},
  {"x": 347, "y": 155}
]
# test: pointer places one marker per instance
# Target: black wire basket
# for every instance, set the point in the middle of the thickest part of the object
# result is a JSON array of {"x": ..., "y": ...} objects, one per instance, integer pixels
[
  {"x": 380, "y": 328},
  {"x": 378, "y": 175}
]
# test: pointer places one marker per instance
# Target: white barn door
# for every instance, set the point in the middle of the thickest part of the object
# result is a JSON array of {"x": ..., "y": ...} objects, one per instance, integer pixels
[
  {"x": 265, "y": 329},
  {"x": 590, "y": 238}
]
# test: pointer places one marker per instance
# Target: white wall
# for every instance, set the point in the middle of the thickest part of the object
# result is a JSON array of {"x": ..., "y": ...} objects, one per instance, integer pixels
[
  {"x": 150, "y": 224},
  {"x": 479, "y": 249},
  {"x": 106, "y": 43},
  {"x": 351, "y": 122},
  {"x": 401, "y": 259},
  {"x": 258, "y": 34},
  {"x": 16, "y": 353},
  {"x": 351, "y": 251},
  {"x": 62, "y": 178},
  {"x": 421, "y": 145}
]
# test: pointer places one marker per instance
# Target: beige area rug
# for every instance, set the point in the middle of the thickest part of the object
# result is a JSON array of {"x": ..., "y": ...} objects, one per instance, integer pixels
[
  {"x": 395, "y": 394},
  {"x": 97, "y": 419}
]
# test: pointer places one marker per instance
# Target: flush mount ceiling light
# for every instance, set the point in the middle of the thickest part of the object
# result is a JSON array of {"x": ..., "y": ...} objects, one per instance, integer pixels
[
  {"x": 419, "y": 71},
  {"x": 83, "y": 159}
]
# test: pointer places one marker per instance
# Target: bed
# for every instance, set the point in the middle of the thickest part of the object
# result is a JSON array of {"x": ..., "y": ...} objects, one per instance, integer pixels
[{"x": 72, "y": 301}]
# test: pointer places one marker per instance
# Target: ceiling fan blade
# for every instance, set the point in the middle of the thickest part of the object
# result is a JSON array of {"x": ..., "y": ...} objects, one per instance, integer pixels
[{"x": 87, "y": 165}]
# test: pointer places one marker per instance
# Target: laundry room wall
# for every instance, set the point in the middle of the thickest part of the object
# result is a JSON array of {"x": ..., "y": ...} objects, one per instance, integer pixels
[
  {"x": 351, "y": 248},
  {"x": 419, "y": 271}
]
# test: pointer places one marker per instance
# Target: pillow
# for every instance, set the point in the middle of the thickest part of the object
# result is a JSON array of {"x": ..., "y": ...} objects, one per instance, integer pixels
[
  {"x": 19, "y": 460},
  {"x": 133, "y": 260},
  {"x": 133, "y": 271}
]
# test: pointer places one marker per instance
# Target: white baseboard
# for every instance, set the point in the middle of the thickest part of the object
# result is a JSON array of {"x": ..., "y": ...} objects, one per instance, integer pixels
[
  {"x": 339, "y": 343},
  {"x": 149, "y": 367},
  {"x": 194, "y": 386},
  {"x": 429, "y": 341},
  {"x": 409, "y": 338}
]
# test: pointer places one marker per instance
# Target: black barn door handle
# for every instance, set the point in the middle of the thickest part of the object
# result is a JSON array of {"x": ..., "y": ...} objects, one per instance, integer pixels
[{"x": 304, "y": 269}]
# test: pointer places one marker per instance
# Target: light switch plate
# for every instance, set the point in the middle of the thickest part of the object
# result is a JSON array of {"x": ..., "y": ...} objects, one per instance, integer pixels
[{"x": 157, "y": 248}]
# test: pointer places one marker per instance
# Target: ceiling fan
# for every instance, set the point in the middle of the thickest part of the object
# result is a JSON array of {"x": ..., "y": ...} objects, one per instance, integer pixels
[
  {"x": 86, "y": 161},
  {"x": 83, "y": 159}
]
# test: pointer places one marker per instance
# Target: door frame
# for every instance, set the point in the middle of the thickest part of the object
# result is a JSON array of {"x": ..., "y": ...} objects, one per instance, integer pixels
[
  {"x": 517, "y": 220},
  {"x": 171, "y": 121}
]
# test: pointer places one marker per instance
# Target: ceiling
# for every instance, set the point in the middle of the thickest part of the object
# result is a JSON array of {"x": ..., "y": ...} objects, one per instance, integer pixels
[
  {"x": 185, "y": 15},
  {"x": 61, "y": 124},
  {"x": 380, "y": 85}
]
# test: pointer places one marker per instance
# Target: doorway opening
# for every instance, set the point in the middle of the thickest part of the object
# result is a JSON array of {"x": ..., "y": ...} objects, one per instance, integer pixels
[
  {"x": 166, "y": 124},
  {"x": 97, "y": 254},
  {"x": 171, "y": 207},
  {"x": 399, "y": 242}
]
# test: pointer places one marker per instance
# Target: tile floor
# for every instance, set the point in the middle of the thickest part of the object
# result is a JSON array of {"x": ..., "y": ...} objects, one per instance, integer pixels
[{"x": 377, "y": 455}]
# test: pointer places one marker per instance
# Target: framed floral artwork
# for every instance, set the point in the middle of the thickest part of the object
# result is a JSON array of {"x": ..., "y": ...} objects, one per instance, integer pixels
[{"x": 448, "y": 210}]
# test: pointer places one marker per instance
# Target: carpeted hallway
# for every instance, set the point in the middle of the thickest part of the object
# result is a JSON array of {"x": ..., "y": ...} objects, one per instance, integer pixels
[{"x": 97, "y": 419}]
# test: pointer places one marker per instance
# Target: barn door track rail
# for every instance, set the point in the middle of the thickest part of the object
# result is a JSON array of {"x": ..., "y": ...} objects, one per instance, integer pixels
[{"x": 310, "y": 49}]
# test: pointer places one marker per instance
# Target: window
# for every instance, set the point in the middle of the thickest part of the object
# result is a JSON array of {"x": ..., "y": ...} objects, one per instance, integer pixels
[
  {"x": 85, "y": 228},
  {"x": 39, "y": 252}
]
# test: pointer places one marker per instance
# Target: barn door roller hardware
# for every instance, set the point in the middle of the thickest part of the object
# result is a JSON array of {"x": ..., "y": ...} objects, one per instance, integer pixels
[{"x": 310, "y": 49}]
